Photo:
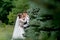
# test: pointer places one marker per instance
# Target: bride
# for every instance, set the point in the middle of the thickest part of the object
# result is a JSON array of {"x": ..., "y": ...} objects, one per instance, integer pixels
[{"x": 19, "y": 30}]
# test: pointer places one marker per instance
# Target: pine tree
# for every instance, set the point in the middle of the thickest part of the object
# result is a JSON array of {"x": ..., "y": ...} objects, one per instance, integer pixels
[{"x": 44, "y": 20}]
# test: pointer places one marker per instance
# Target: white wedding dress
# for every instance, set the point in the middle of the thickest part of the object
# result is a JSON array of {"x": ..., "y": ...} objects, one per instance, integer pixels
[{"x": 18, "y": 30}]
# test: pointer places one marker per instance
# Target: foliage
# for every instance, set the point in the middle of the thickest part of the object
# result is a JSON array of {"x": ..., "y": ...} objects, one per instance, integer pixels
[
  {"x": 19, "y": 6},
  {"x": 11, "y": 17},
  {"x": 46, "y": 18},
  {"x": 13, "y": 6},
  {"x": 5, "y": 7}
]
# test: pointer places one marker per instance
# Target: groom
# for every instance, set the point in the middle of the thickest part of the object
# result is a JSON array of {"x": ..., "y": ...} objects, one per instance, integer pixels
[{"x": 26, "y": 24}]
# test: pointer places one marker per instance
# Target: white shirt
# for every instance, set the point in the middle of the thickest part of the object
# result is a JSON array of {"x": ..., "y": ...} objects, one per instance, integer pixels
[{"x": 27, "y": 19}]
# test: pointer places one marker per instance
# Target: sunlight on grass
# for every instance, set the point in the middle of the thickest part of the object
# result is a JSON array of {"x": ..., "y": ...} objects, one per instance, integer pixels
[{"x": 6, "y": 32}]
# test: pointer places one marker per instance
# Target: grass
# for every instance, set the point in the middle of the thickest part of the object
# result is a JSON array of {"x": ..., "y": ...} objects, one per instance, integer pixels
[{"x": 6, "y": 32}]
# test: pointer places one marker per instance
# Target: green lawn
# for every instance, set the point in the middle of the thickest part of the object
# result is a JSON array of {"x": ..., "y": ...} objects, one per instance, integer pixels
[{"x": 6, "y": 32}]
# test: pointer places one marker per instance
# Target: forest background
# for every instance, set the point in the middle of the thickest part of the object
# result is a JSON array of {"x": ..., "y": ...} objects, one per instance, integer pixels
[{"x": 10, "y": 8}]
